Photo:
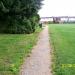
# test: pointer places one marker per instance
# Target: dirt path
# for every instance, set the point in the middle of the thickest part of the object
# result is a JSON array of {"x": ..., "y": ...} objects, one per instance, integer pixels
[{"x": 39, "y": 61}]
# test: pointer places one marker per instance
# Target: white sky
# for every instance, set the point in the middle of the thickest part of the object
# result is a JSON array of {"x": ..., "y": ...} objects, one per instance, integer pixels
[{"x": 57, "y": 8}]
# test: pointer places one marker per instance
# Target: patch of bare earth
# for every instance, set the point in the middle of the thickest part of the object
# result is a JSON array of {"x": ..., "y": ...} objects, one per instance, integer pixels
[{"x": 39, "y": 62}]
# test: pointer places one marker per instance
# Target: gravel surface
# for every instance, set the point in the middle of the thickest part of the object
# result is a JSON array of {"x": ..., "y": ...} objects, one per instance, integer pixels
[{"x": 39, "y": 62}]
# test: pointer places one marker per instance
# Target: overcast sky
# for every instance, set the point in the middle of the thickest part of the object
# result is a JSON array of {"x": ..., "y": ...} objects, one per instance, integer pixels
[{"x": 57, "y": 8}]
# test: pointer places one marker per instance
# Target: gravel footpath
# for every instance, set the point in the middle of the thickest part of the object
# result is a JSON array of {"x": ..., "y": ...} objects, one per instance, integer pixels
[{"x": 39, "y": 62}]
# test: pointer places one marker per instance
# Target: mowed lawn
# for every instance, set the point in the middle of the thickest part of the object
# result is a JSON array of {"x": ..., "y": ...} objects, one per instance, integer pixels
[
  {"x": 13, "y": 50},
  {"x": 62, "y": 37}
]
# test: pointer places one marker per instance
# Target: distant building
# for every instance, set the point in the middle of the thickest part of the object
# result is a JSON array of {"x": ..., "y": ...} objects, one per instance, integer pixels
[{"x": 56, "y": 20}]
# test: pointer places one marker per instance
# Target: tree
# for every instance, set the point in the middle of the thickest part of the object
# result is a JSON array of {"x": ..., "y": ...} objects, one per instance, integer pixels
[{"x": 15, "y": 15}]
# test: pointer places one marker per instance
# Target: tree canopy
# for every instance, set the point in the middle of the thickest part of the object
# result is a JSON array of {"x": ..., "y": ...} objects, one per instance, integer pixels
[{"x": 19, "y": 16}]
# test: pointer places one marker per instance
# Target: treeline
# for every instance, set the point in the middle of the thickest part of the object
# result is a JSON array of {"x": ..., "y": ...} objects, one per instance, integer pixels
[{"x": 19, "y": 16}]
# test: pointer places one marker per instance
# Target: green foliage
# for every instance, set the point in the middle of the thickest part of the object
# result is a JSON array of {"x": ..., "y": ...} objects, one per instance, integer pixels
[
  {"x": 13, "y": 68},
  {"x": 27, "y": 28},
  {"x": 13, "y": 13}
]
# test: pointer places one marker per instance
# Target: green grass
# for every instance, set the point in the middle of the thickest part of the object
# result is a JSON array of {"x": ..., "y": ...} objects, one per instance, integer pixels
[
  {"x": 14, "y": 48},
  {"x": 63, "y": 44}
]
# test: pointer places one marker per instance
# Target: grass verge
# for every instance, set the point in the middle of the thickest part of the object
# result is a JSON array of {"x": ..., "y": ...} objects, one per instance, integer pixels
[
  {"x": 14, "y": 48},
  {"x": 63, "y": 43}
]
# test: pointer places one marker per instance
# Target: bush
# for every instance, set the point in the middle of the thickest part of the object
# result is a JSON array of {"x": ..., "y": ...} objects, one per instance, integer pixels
[
  {"x": 16, "y": 27},
  {"x": 19, "y": 16},
  {"x": 27, "y": 27}
]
